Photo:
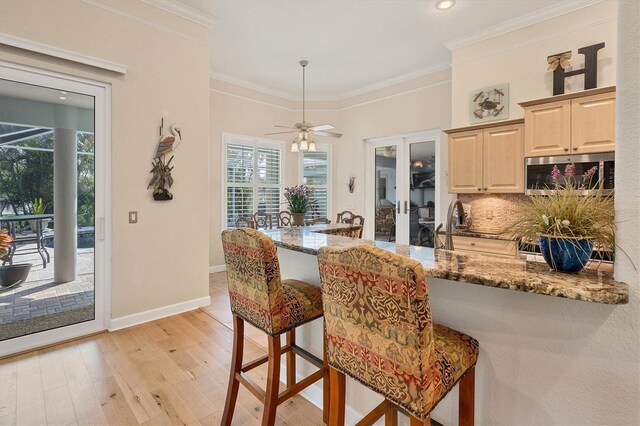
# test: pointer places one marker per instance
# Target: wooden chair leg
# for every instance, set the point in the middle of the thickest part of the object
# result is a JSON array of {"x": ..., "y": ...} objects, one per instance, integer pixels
[
  {"x": 466, "y": 398},
  {"x": 336, "y": 404},
  {"x": 325, "y": 383},
  {"x": 273, "y": 382},
  {"x": 391, "y": 417},
  {"x": 417, "y": 422},
  {"x": 236, "y": 365},
  {"x": 291, "y": 359}
]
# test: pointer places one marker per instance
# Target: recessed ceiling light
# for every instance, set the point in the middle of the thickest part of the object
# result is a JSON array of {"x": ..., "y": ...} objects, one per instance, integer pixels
[
  {"x": 64, "y": 93},
  {"x": 445, "y": 4},
  {"x": 63, "y": 98}
]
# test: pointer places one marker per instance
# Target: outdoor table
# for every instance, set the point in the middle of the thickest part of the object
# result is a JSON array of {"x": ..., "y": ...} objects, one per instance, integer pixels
[{"x": 37, "y": 237}]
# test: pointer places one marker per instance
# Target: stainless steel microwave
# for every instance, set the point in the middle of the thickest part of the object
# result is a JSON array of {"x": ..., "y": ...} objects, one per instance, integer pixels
[{"x": 539, "y": 180}]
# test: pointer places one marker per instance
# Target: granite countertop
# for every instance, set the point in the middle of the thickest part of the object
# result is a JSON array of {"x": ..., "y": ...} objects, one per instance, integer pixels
[
  {"x": 477, "y": 234},
  {"x": 528, "y": 276}
]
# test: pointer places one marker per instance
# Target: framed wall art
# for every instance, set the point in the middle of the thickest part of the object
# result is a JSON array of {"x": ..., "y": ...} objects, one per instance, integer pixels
[{"x": 489, "y": 104}]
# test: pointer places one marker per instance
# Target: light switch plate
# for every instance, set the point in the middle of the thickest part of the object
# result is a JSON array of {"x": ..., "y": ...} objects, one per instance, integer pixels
[
  {"x": 133, "y": 217},
  {"x": 489, "y": 214}
]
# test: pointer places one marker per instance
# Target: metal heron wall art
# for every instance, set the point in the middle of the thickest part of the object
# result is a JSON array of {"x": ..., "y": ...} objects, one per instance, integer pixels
[{"x": 161, "y": 171}]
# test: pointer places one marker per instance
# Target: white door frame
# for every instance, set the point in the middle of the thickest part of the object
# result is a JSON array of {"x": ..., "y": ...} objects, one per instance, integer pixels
[
  {"x": 102, "y": 249},
  {"x": 402, "y": 144}
]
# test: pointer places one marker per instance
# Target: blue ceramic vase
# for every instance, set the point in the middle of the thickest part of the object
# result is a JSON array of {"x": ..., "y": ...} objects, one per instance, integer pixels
[{"x": 566, "y": 254}]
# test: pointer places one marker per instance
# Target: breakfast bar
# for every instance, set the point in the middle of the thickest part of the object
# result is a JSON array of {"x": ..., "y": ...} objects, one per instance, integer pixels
[{"x": 540, "y": 332}]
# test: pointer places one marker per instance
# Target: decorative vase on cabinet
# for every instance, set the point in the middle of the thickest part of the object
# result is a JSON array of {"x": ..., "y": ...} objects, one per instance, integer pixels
[{"x": 565, "y": 254}]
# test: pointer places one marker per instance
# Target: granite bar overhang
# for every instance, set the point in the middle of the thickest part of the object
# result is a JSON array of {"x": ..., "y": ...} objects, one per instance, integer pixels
[{"x": 529, "y": 276}]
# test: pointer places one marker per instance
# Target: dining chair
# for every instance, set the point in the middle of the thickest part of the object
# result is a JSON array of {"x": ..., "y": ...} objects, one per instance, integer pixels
[
  {"x": 275, "y": 306},
  {"x": 344, "y": 217},
  {"x": 358, "y": 220},
  {"x": 245, "y": 222},
  {"x": 317, "y": 220},
  {"x": 378, "y": 330},
  {"x": 284, "y": 218},
  {"x": 262, "y": 220}
]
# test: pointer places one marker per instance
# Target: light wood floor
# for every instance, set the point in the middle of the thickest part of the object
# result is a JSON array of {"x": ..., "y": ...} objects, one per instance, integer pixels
[{"x": 170, "y": 371}]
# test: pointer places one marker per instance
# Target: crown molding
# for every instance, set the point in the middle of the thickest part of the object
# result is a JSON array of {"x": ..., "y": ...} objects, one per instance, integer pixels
[
  {"x": 432, "y": 69},
  {"x": 184, "y": 11},
  {"x": 561, "y": 8},
  {"x": 56, "y": 52},
  {"x": 252, "y": 86},
  {"x": 331, "y": 98}
]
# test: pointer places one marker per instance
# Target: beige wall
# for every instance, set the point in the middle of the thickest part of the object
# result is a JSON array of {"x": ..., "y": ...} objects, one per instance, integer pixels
[
  {"x": 419, "y": 104},
  {"x": 163, "y": 259},
  {"x": 520, "y": 58}
]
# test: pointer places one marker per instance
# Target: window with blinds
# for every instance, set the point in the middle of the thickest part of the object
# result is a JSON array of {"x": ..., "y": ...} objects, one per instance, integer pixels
[
  {"x": 253, "y": 178},
  {"x": 315, "y": 173}
]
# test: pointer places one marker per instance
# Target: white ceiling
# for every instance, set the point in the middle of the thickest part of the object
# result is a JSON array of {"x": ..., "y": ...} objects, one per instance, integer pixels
[
  {"x": 352, "y": 45},
  {"x": 31, "y": 92}
]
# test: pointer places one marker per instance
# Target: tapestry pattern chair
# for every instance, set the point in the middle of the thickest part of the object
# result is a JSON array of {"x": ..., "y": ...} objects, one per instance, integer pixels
[
  {"x": 259, "y": 296},
  {"x": 262, "y": 220},
  {"x": 284, "y": 219},
  {"x": 379, "y": 331}
]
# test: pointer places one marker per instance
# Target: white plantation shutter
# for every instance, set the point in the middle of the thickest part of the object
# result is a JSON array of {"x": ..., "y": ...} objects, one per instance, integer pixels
[
  {"x": 315, "y": 173},
  {"x": 253, "y": 178}
]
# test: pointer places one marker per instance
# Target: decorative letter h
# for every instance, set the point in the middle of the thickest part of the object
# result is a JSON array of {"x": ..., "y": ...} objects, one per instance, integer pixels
[{"x": 590, "y": 70}]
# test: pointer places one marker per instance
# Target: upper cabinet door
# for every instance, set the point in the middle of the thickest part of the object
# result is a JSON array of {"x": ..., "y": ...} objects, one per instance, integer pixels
[
  {"x": 548, "y": 129},
  {"x": 465, "y": 162},
  {"x": 503, "y": 163},
  {"x": 593, "y": 123}
]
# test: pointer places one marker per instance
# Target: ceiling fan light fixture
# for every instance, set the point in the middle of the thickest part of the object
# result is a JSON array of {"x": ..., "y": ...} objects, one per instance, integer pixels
[
  {"x": 294, "y": 146},
  {"x": 304, "y": 145},
  {"x": 312, "y": 146},
  {"x": 445, "y": 4}
]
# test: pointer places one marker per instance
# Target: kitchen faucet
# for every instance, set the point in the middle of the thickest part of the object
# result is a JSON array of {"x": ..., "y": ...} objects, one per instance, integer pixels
[{"x": 448, "y": 241}]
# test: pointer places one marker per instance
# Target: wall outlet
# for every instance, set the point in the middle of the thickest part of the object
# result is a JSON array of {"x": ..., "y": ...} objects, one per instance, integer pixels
[
  {"x": 489, "y": 214},
  {"x": 133, "y": 217}
]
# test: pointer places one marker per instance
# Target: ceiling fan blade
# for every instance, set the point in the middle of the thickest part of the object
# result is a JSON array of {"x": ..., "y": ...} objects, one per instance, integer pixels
[
  {"x": 285, "y": 127},
  {"x": 330, "y": 134},
  {"x": 281, "y": 133},
  {"x": 323, "y": 127}
]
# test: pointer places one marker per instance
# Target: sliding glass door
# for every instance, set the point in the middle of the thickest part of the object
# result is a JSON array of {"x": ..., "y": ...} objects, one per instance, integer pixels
[
  {"x": 404, "y": 187},
  {"x": 52, "y": 207}
]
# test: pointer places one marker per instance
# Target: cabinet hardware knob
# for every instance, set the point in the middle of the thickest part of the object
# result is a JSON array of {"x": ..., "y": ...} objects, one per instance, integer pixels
[
  {"x": 566, "y": 149},
  {"x": 479, "y": 189},
  {"x": 486, "y": 189},
  {"x": 575, "y": 149},
  {"x": 473, "y": 244}
]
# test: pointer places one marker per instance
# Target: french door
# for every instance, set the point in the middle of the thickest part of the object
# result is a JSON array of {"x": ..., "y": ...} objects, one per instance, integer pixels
[
  {"x": 55, "y": 201},
  {"x": 406, "y": 187}
]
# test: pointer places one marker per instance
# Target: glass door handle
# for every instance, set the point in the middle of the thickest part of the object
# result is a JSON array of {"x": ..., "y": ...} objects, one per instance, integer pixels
[
  {"x": 406, "y": 207},
  {"x": 398, "y": 209}
]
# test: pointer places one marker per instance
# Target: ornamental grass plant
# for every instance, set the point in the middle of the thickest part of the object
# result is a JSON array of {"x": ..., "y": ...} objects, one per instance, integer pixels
[{"x": 573, "y": 208}]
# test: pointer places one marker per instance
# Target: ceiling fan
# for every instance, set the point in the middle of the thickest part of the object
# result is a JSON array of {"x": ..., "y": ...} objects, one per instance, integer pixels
[{"x": 304, "y": 129}]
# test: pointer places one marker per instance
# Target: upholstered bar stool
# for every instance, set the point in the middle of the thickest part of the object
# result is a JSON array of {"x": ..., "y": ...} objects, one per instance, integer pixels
[
  {"x": 379, "y": 332},
  {"x": 275, "y": 306}
]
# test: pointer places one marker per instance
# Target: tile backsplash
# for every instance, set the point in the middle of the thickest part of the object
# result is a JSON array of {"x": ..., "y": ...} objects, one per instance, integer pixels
[{"x": 492, "y": 212}]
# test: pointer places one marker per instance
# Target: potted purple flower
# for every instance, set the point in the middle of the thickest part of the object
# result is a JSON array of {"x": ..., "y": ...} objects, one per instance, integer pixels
[{"x": 299, "y": 201}]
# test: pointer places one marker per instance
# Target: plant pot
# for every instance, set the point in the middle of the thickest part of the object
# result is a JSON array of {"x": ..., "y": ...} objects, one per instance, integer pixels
[
  {"x": 33, "y": 224},
  {"x": 565, "y": 254},
  {"x": 162, "y": 195},
  {"x": 12, "y": 275},
  {"x": 297, "y": 219}
]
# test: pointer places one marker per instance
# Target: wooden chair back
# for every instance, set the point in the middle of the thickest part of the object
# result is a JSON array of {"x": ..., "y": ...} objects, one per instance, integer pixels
[
  {"x": 262, "y": 220},
  {"x": 284, "y": 218},
  {"x": 245, "y": 222}
]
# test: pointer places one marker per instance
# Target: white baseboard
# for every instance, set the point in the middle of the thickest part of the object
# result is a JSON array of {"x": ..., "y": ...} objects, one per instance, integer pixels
[
  {"x": 217, "y": 268},
  {"x": 157, "y": 313}
]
